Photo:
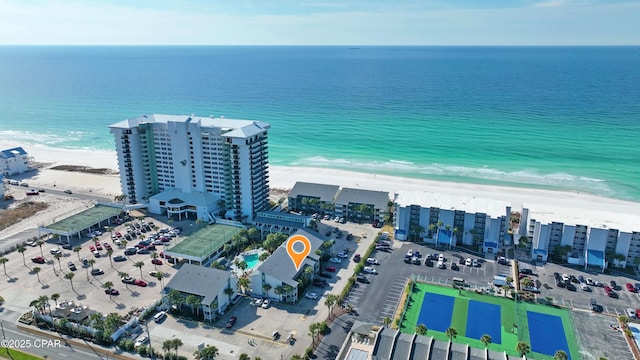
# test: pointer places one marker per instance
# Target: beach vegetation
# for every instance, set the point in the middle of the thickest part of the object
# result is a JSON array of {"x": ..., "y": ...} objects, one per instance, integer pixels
[{"x": 22, "y": 211}]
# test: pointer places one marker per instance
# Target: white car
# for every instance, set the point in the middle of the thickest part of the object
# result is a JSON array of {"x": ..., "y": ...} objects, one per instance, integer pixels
[
  {"x": 441, "y": 257},
  {"x": 141, "y": 340},
  {"x": 266, "y": 303},
  {"x": 370, "y": 270},
  {"x": 326, "y": 217},
  {"x": 343, "y": 255},
  {"x": 337, "y": 219},
  {"x": 441, "y": 265},
  {"x": 335, "y": 260},
  {"x": 584, "y": 287},
  {"x": 631, "y": 314},
  {"x": 312, "y": 296},
  {"x": 565, "y": 277},
  {"x": 55, "y": 251},
  {"x": 410, "y": 253},
  {"x": 372, "y": 261},
  {"x": 590, "y": 282},
  {"x": 476, "y": 263},
  {"x": 468, "y": 262}
]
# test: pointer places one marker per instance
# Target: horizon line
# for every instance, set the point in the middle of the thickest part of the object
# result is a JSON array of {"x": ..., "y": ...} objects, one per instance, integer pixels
[{"x": 339, "y": 45}]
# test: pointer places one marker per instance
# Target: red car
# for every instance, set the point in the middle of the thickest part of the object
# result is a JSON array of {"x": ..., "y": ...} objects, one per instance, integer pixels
[
  {"x": 140, "y": 283},
  {"x": 330, "y": 268},
  {"x": 92, "y": 248},
  {"x": 98, "y": 246},
  {"x": 231, "y": 322},
  {"x": 156, "y": 262},
  {"x": 108, "y": 247},
  {"x": 38, "y": 260},
  {"x": 631, "y": 288},
  {"x": 151, "y": 247}
]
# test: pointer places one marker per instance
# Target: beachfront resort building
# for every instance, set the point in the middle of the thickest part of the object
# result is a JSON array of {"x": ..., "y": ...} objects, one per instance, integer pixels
[
  {"x": 281, "y": 275},
  {"x": 14, "y": 161},
  {"x": 452, "y": 220},
  {"x": 207, "y": 284},
  {"x": 356, "y": 205},
  {"x": 269, "y": 222},
  {"x": 188, "y": 166},
  {"x": 585, "y": 245}
]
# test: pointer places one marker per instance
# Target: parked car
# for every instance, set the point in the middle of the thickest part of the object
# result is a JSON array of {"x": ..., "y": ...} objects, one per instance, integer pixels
[
  {"x": 372, "y": 261},
  {"x": 128, "y": 280},
  {"x": 38, "y": 260},
  {"x": 595, "y": 306},
  {"x": 369, "y": 270},
  {"x": 67, "y": 246},
  {"x": 362, "y": 279},
  {"x": 32, "y": 243},
  {"x": 630, "y": 287},
  {"x": 231, "y": 322},
  {"x": 68, "y": 192},
  {"x": 454, "y": 266},
  {"x": 159, "y": 316},
  {"x": 571, "y": 287},
  {"x": 55, "y": 251},
  {"x": 140, "y": 283},
  {"x": 72, "y": 266},
  {"x": 97, "y": 272},
  {"x": 311, "y": 295},
  {"x": 154, "y": 273},
  {"x": 330, "y": 268},
  {"x": 584, "y": 287},
  {"x": 581, "y": 279},
  {"x": 502, "y": 260},
  {"x": 141, "y": 340},
  {"x": 631, "y": 313},
  {"x": 319, "y": 282},
  {"x": 614, "y": 285},
  {"x": 416, "y": 261},
  {"x": 335, "y": 260},
  {"x": 441, "y": 265},
  {"x": 325, "y": 275},
  {"x": 265, "y": 303},
  {"x": 343, "y": 255},
  {"x": 113, "y": 292},
  {"x": 468, "y": 262},
  {"x": 156, "y": 261},
  {"x": 119, "y": 258},
  {"x": 526, "y": 271}
]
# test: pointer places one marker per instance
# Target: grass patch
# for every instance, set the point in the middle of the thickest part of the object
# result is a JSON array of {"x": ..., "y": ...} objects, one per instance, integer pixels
[
  {"x": 17, "y": 355},
  {"x": 23, "y": 211}
]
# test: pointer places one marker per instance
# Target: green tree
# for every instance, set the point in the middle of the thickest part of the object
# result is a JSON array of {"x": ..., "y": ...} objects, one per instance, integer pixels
[
  {"x": 451, "y": 333},
  {"x": 193, "y": 302},
  {"x": 154, "y": 256},
  {"x": 76, "y": 249},
  {"x": 329, "y": 301},
  {"x": 110, "y": 254},
  {"x": 55, "y": 297},
  {"x": 69, "y": 276},
  {"x": 523, "y": 348},
  {"x": 209, "y": 352},
  {"x": 296, "y": 357},
  {"x": 386, "y": 321},
  {"x": 36, "y": 270},
  {"x": 91, "y": 262},
  {"x": 229, "y": 291},
  {"x": 160, "y": 276},
  {"x": 40, "y": 243},
  {"x": 58, "y": 256},
  {"x": 21, "y": 250},
  {"x": 421, "y": 329},
  {"x": 108, "y": 285},
  {"x": 245, "y": 284},
  {"x": 266, "y": 287},
  {"x": 176, "y": 298},
  {"x": 244, "y": 356},
  {"x": 176, "y": 344},
  {"x": 123, "y": 275},
  {"x": 486, "y": 340},
  {"x": 560, "y": 355},
  {"x": 4, "y": 261},
  {"x": 139, "y": 265}
]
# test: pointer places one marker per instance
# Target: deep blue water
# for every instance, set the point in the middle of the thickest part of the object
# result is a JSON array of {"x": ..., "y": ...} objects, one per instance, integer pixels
[{"x": 548, "y": 117}]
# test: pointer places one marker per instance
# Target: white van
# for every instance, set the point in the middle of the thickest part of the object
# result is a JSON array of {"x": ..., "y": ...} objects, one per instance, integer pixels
[{"x": 159, "y": 316}]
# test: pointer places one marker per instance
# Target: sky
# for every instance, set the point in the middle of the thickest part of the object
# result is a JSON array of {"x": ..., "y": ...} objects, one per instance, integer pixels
[{"x": 320, "y": 22}]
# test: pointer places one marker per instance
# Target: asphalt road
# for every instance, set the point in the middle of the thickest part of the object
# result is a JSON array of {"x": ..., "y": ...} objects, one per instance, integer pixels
[{"x": 331, "y": 343}]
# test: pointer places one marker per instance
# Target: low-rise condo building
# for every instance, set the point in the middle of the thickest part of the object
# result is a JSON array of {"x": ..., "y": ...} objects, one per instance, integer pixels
[
  {"x": 188, "y": 166},
  {"x": 14, "y": 161}
]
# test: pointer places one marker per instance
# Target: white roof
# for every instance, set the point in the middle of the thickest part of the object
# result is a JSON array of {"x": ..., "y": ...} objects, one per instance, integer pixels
[{"x": 469, "y": 204}]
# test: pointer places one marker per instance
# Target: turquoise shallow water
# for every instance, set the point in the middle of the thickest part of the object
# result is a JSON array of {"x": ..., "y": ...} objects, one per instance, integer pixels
[{"x": 557, "y": 118}]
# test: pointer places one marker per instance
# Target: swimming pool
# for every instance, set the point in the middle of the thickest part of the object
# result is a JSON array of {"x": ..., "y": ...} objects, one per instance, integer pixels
[{"x": 251, "y": 260}]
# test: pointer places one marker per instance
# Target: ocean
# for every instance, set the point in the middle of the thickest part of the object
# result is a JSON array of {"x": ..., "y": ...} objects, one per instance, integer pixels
[{"x": 565, "y": 118}]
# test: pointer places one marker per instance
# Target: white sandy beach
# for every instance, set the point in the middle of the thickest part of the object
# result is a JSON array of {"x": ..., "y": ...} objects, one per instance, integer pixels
[{"x": 544, "y": 205}]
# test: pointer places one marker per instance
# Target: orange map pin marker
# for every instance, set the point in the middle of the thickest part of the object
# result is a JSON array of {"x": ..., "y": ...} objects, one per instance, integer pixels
[{"x": 298, "y": 257}]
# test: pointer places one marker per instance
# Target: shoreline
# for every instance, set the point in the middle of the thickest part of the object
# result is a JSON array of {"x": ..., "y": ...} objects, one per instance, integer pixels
[{"x": 544, "y": 205}]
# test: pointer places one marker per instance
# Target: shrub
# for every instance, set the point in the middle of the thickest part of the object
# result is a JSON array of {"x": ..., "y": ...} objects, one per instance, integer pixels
[
  {"x": 308, "y": 353},
  {"x": 126, "y": 344},
  {"x": 142, "y": 350}
]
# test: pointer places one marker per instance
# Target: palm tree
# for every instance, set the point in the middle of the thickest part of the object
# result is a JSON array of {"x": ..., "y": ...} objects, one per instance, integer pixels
[
  {"x": 58, "y": 256},
  {"x": 108, "y": 285},
  {"x": 451, "y": 333},
  {"x": 122, "y": 276},
  {"x": 279, "y": 290},
  {"x": 55, "y": 297},
  {"x": 208, "y": 352},
  {"x": 40, "y": 243},
  {"x": 228, "y": 291},
  {"x": 244, "y": 283},
  {"x": 329, "y": 302},
  {"x": 313, "y": 332},
  {"x": 486, "y": 340},
  {"x": 167, "y": 345},
  {"x": 110, "y": 254},
  {"x": 160, "y": 276},
  {"x": 176, "y": 343},
  {"x": 155, "y": 256},
  {"x": 176, "y": 298},
  {"x": 523, "y": 348},
  {"x": 421, "y": 329},
  {"x": 36, "y": 270},
  {"x": 69, "y": 276},
  {"x": 266, "y": 287},
  {"x": 560, "y": 355},
  {"x": 296, "y": 357},
  {"x": 76, "y": 249},
  {"x": 386, "y": 321},
  {"x": 3, "y": 261},
  {"x": 139, "y": 265},
  {"x": 21, "y": 250},
  {"x": 91, "y": 262},
  {"x": 191, "y": 300}
]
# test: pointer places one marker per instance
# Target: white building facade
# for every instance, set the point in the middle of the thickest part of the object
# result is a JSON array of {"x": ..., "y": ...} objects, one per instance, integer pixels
[
  {"x": 14, "y": 161},
  {"x": 220, "y": 166}
]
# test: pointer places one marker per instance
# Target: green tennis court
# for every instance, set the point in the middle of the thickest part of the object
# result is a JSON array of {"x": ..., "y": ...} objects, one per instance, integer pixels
[
  {"x": 473, "y": 314},
  {"x": 205, "y": 240}
]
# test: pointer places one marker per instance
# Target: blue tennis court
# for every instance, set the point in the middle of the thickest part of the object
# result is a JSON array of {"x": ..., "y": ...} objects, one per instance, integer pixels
[
  {"x": 436, "y": 311},
  {"x": 546, "y": 333},
  {"x": 484, "y": 318}
]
